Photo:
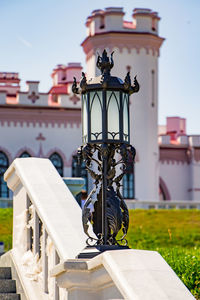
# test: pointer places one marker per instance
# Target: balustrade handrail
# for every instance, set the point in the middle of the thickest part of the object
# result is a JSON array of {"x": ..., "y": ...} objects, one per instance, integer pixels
[
  {"x": 45, "y": 216},
  {"x": 50, "y": 197}
]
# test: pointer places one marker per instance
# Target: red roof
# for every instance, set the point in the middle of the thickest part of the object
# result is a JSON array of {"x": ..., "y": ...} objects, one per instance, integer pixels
[
  {"x": 59, "y": 89},
  {"x": 129, "y": 24}
]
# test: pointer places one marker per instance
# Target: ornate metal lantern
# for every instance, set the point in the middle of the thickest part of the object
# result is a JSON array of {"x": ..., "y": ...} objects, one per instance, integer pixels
[{"x": 106, "y": 137}]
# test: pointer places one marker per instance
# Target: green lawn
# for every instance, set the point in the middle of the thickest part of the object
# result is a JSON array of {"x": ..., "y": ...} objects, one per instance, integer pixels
[
  {"x": 6, "y": 218},
  {"x": 173, "y": 233},
  {"x": 152, "y": 228}
]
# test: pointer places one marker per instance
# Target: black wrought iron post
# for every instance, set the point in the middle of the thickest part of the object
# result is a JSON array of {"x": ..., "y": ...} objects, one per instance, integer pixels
[
  {"x": 106, "y": 143},
  {"x": 104, "y": 189}
]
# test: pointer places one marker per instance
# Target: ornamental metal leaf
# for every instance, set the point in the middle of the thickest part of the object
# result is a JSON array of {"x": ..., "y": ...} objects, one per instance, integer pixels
[{"x": 116, "y": 209}]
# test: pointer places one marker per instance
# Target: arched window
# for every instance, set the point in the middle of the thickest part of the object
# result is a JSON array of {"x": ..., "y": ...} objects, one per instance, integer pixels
[
  {"x": 57, "y": 161},
  {"x": 163, "y": 191},
  {"x": 80, "y": 171},
  {"x": 161, "y": 194},
  {"x": 128, "y": 181},
  {"x": 4, "y": 193},
  {"x": 25, "y": 154}
]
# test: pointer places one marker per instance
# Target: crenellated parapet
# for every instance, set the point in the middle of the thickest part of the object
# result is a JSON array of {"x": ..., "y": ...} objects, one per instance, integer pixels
[
  {"x": 107, "y": 27},
  {"x": 59, "y": 95}
]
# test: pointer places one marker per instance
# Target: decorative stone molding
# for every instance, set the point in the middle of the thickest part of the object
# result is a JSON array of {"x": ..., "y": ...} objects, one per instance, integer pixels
[
  {"x": 121, "y": 40},
  {"x": 25, "y": 149},
  {"x": 175, "y": 155},
  {"x": 40, "y": 137},
  {"x": 74, "y": 99},
  {"x": 33, "y": 97},
  {"x": 24, "y": 116}
]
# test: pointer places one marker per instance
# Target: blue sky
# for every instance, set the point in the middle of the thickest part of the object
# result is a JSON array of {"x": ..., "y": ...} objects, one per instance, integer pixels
[{"x": 36, "y": 35}]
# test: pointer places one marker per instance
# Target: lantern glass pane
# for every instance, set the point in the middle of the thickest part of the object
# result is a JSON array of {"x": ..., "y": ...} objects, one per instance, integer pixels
[
  {"x": 113, "y": 100},
  {"x": 125, "y": 117},
  {"x": 84, "y": 118},
  {"x": 96, "y": 115}
]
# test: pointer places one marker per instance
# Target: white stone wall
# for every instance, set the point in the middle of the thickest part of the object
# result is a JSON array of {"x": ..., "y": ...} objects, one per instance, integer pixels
[
  {"x": 22, "y": 99},
  {"x": 177, "y": 178},
  {"x": 143, "y": 119},
  {"x": 194, "y": 173},
  {"x": 64, "y": 140}
]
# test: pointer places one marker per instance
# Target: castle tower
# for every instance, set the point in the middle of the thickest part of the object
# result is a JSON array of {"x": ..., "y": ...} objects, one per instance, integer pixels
[{"x": 136, "y": 45}]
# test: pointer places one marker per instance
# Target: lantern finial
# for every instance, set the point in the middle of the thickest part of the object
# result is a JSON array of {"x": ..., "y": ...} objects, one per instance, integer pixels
[{"x": 104, "y": 64}]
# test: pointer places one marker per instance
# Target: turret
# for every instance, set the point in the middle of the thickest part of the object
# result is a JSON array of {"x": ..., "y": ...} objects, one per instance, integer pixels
[
  {"x": 9, "y": 83},
  {"x": 64, "y": 74},
  {"x": 100, "y": 20},
  {"x": 136, "y": 46},
  {"x": 111, "y": 19},
  {"x": 146, "y": 20}
]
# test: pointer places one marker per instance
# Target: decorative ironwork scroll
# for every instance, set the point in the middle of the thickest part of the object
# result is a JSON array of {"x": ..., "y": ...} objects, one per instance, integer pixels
[{"x": 117, "y": 216}]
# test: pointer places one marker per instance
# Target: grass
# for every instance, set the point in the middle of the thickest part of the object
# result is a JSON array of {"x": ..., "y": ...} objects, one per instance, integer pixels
[
  {"x": 164, "y": 228},
  {"x": 6, "y": 219},
  {"x": 175, "y": 234}
]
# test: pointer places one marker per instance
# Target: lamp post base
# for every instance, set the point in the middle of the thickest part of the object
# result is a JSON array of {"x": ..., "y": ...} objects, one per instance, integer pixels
[{"x": 92, "y": 251}]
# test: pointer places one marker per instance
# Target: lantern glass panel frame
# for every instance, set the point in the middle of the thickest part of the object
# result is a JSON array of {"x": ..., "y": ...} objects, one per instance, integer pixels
[
  {"x": 113, "y": 114},
  {"x": 96, "y": 115},
  {"x": 105, "y": 116}
]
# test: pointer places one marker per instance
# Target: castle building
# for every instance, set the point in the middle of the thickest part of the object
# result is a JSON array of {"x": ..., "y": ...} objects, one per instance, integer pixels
[
  {"x": 39, "y": 124},
  {"x": 49, "y": 124},
  {"x": 179, "y": 163}
]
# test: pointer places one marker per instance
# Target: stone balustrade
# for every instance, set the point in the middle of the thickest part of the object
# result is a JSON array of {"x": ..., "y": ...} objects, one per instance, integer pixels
[
  {"x": 168, "y": 204},
  {"x": 47, "y": 225}
]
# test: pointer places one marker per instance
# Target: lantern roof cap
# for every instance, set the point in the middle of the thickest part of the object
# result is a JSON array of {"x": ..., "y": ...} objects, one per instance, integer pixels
[
  {"x": 105, "y": 80},
  {"x": 111, "y": 81}
]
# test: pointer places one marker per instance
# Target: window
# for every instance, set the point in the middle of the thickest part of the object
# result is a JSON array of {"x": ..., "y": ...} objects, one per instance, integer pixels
[
  {"x": 161, "y": 194},
  {"x": 163, "y": 191},
  {"x": 4, "y": 193},
  {"x": 57, "y": 161},
  {"x": 153, "y": 24},
  {"x": 80, "y": 171},
  {"x": 25, "y": 154},
  {"x": 128, "y": 186},
  {"x": 128, "y": 181},
  {"x": 153, "y": 88},
  {"x": 54, "y": 98},
  {"x": 102, "y": 22}
]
